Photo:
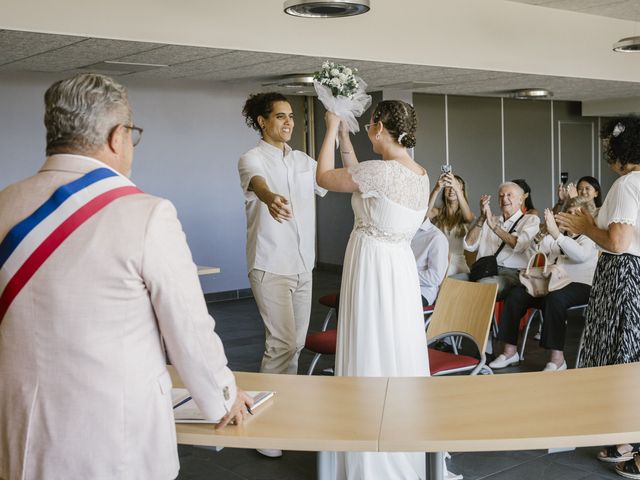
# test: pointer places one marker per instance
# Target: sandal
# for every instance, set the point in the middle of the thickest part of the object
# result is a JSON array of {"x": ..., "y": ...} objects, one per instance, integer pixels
[
  {"x": 628, "y": 469},
  {"x": 612, "y": 455}
]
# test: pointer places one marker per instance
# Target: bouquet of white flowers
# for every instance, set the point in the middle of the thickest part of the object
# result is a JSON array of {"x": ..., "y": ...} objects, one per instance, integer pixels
[{"x": 342, "y": 92}]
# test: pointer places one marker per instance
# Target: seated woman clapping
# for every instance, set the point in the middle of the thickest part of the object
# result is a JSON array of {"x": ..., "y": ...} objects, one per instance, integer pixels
[{"x": 578, "y": 257}]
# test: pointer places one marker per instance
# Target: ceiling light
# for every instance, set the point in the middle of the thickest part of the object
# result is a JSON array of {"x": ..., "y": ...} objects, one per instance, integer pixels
[
  {"x": 294, "y": 84},
  {"x": 531, "y": 93},
  {"x": 296, "y": 80},
  {"x": 629, "y": 44},
  {"x": 325, "y": 8}
]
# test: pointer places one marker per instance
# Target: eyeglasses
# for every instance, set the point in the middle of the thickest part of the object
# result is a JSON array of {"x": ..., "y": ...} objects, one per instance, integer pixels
[{"x": 136, "y": 134}]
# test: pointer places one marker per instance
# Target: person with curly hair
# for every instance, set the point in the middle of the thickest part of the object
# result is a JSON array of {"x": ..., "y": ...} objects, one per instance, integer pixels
[
  {"x": 612, "y": 320},
  {"x": 279, "y": 185}
]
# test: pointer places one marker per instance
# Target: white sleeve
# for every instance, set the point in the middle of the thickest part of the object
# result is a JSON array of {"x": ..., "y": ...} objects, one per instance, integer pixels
[
  {"x": 195, "y": 349},
  {"x": 434, "y": 269},
  {"x": 579, "y": 250},
  {"x": 370, "y": 176},
  {"x": 250, "y": 165},
  {"x": 625, "y": 203},
  {"x": 321, "y": 192}
]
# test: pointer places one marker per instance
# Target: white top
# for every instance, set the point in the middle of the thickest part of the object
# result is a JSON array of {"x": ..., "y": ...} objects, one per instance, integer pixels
[
  {"x": 516, "y": 257},
  {"x": 286, "y": 248},
  {"x": 622, "y": 205},
  {"x": 431, "y": 249},
  {"x": 578, "y": 256},
  {"x": 393, "y": 180}
]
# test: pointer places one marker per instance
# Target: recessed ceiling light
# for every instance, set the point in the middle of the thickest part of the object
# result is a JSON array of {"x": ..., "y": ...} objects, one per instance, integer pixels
[
  {"x": 629, "y": 44},
  {"x": 294, "y": 84},
  {"x": 325, "y": 8},
  {"x": 531, "y": 93}
]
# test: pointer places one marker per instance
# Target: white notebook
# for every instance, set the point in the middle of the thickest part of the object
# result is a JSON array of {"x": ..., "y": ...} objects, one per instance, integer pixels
[{"x": 185, "y": 409}]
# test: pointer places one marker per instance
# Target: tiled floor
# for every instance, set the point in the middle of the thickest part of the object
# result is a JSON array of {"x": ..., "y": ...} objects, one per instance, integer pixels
[{"x": 240, "y": 327}]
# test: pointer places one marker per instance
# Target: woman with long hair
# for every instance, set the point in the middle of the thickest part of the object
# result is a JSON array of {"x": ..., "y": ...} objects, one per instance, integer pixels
[{"x": 453, "y": 217}]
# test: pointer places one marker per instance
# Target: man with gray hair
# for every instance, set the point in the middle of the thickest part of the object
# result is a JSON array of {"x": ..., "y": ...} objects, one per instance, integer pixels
[
  {"x": 507, "y": 237},
  {"x": 94, "y": 275}
]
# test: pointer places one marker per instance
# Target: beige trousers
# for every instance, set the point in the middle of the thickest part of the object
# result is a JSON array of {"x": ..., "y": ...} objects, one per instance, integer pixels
[{"x": 284, "y": 302}]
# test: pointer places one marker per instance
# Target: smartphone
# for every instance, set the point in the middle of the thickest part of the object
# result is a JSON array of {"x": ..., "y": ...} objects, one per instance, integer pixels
[
  {"x": 564, "y": 177},
  {"x": 445, "y": 169}
]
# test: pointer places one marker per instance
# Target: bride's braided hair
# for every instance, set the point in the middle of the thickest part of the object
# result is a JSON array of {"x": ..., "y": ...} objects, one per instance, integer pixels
[{"x": 399, "y": 118}]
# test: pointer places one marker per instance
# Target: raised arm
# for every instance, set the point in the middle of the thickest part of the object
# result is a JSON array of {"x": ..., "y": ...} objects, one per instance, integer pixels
[
  {"x": 433, "y": 197},
  {"x": 327, "y": 175},
  {"x": 467, "y": 214},
  {"x": 347, "y": 152},
  {"x": 473, "y": 236}
]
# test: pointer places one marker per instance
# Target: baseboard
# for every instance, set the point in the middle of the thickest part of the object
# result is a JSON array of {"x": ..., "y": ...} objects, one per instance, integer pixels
[{"x": 228, "y": 295}]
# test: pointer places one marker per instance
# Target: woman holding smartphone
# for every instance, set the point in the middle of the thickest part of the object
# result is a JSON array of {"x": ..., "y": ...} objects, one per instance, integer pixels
[{"x": 453, "y": 217}]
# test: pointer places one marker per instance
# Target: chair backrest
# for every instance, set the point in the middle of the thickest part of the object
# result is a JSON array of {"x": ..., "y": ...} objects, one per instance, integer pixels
[{"x": 464, "y": 307}]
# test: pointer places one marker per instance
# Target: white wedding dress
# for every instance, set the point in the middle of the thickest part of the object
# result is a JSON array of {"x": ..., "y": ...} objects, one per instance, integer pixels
[{"x": 380, "y": 321}]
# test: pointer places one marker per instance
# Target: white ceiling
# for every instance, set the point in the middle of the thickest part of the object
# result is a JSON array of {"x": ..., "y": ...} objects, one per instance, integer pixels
[
  {"x": 622, "y": 9},
  {"x": 22, "y": 51}
]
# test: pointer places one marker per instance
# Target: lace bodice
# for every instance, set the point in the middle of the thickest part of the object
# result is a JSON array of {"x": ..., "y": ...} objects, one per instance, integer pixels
[{"x": 391, "y": 179}]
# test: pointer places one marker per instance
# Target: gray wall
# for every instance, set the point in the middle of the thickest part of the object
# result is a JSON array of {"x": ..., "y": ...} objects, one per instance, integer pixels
[
  {"x": 193, "y": 137},
  {"x": 539, "y": 140},
  {"x": 194, "y": 134}
]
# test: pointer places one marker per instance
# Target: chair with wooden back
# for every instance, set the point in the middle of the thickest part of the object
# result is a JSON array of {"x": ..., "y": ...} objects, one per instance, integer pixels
[{"x": 463, "y": 309}]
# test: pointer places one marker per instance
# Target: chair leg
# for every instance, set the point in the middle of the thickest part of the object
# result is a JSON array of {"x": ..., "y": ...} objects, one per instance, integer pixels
[
  {"x": 526, "y": 331},
  {"x": 579, "y": 354},
  {"x": 314, "y": 362},
  {"x": 327, "y": 318}
]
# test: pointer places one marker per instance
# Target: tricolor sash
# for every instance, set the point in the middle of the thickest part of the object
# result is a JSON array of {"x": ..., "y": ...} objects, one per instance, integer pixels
[{"x": 29, "y": 243}]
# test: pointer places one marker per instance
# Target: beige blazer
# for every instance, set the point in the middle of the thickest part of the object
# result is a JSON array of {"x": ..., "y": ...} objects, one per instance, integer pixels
[{"x": 84, "y": 391}]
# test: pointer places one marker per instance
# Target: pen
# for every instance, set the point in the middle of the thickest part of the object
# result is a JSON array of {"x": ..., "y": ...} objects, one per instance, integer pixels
[
  {"x": 181, "y": 402},
  {"x": 249, "y": 410}
]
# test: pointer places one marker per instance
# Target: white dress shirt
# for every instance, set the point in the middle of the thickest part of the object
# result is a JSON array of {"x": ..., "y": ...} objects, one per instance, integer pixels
[
  {"x": 622, "y": 205},
  {"x": 431, "y": 249},
  {"x": 286, "y": 248},
  {"x": 516, "y": 257}
]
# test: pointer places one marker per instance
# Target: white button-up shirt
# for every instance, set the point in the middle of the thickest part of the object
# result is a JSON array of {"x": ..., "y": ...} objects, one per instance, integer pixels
[
  {"x": 286, "y": 248},
  {"x": 431, "y": 249},
  {"x": 516, "y": 257}
]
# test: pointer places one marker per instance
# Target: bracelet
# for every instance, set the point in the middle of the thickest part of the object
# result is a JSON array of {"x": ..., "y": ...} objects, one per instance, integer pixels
[{"x": 345, "y": 153}]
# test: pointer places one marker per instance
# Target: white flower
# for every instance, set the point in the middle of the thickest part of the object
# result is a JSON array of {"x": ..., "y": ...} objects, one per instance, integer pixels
[
  {"x": 347, "y": 71},
  {"x": 343, "y": 77},
  {"x": 325, "y": 66},
  {"x": 335, "y": 82},
  {"x": 335, "y": 72}
]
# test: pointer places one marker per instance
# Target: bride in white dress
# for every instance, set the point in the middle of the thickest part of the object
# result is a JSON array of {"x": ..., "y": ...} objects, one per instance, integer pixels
[{"x": 380, "y": 320}]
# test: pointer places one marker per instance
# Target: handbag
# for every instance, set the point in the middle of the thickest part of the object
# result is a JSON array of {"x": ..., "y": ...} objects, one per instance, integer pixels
[
  {"x": 539, "y": 281},
  {"x": 488, "y": 266}
]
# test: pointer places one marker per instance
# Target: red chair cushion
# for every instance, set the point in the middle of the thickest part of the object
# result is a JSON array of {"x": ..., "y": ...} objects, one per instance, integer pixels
[
  {"x": 330, "y": 300},
  {"x": 322, "y": 342},
  {"x": 442, "y": 361}
]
